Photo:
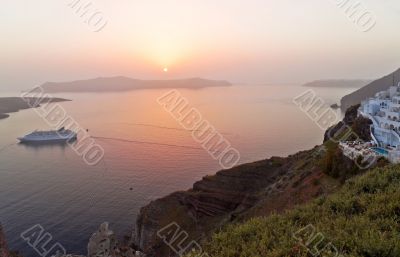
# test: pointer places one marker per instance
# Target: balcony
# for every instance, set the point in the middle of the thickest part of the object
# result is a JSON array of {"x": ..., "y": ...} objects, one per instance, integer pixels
[{"x": 393, "y": 118}]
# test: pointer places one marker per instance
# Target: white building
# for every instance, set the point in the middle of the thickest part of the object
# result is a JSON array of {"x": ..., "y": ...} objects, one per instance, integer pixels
[{"x": 384, "y": 112}]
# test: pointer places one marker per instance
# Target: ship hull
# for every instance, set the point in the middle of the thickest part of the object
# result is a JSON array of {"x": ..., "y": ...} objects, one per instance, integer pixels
[{"x": 47, "y": 140}]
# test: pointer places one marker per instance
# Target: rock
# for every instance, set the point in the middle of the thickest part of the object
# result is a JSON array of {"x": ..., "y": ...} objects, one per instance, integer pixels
[
  {"x": 139, "y": 254},
  {"x": 102, "y": 243},
  {"x": 235, "y": 194},
  {"x": 359, "y": 125},
  {"x": 128, "y": 252},
  {"x": 3, "y": 244},
  {"x": 335, "y": 106}
]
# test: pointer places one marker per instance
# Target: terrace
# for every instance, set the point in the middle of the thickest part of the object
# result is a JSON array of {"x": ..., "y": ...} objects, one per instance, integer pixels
[{"x": 355, "y": 149}]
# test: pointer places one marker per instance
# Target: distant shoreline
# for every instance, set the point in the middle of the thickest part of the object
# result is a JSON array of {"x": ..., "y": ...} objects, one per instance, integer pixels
[
  {"x": 338, "y": 83},
  {"x": 120, "y": 84},
  {"x": 4, "y": 116},
  {"x": 14, "y": 104}
]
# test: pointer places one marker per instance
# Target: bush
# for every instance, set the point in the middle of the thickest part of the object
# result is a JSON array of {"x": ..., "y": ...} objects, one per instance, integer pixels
[
  {"x": 338, "y": 166},
  {"x": 362, "y": 219}
]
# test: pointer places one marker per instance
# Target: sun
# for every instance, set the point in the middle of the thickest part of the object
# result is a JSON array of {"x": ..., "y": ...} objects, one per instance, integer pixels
[{"x": 165, "y": 69}]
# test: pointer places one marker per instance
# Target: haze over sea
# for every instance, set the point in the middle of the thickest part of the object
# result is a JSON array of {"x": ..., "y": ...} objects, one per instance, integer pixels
[{"x": 53, "y": 187}]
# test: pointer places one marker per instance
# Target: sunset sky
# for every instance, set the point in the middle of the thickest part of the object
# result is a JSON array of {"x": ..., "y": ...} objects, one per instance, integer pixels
[{"x": 252, "y": 41}]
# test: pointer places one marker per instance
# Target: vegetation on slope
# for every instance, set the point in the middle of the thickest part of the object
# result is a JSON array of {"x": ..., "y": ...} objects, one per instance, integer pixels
[
  {"x": 336, "y": 165},
  {"x": 361, "y": 219}
]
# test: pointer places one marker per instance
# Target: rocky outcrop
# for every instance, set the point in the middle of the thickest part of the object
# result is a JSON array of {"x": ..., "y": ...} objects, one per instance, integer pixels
[
  {"x": 240, "y": 193},
  {"x": 348, "y": 120},
  {"x": 250, "y": 190},
  {"x": 4, "y": 252},
  {"x": 103, "y": 243},
  {"x": 359, "y": 125}
]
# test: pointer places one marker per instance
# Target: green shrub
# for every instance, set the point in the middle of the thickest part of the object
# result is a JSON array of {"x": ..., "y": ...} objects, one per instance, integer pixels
[{"x": 361, "y": 219}]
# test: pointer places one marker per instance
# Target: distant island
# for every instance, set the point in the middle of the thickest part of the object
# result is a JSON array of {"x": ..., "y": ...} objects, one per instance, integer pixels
[
  {"x": 370, "y": 90},
  {"x": 14, "y": 104},
  {"x": 113, "y": 84},
  {"x": 338, "y": 83}
]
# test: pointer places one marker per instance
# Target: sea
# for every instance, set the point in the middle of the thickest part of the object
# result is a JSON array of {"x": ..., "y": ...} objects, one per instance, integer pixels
[{"x": 147, "y": 155}]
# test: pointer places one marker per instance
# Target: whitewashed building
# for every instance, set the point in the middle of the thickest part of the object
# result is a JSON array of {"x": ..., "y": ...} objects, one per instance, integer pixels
[{"x": 384, "y": 112}]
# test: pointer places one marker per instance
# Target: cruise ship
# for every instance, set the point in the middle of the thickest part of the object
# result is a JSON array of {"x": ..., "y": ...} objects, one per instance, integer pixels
[{"x": 61, "y": 135}]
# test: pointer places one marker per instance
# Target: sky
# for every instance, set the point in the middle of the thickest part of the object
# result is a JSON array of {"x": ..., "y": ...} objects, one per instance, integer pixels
[{"x": 243, "y": 41}]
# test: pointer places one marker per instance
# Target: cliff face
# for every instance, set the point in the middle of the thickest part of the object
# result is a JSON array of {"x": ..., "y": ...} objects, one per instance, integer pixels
[
  {"x": 370, "y": 90},
  {"x": 250, "y": 190},
  {"x": 360, "y": 125},
  {"x": 240, "y": 193},
  {"x": 348, "y": 223},
  {"x": 3, "y": 245}
]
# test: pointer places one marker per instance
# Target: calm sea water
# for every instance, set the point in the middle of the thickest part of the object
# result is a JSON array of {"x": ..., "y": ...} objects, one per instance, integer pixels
[{"x": 53, "y": 187}]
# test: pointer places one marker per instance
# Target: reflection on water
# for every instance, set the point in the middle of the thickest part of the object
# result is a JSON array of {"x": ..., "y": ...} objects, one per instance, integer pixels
[{"x": 147, "y": 156}]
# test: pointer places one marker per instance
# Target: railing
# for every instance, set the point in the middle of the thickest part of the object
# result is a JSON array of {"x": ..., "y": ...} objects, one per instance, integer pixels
[{"x": 395, "y": 134}]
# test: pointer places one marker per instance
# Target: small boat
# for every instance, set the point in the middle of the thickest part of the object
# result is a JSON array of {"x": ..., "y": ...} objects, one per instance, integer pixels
[{"x": 61, "y": 135}]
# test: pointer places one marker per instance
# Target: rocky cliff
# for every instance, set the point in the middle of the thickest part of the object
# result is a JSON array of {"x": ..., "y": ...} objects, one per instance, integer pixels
[
  {"x": 370, "y": 90},
  {"x": 359, "y": 125},
  {"x": 170, "y": 225},
  {"x": 240, "y": 193},
  {"x": 103, "y": 243},
  {"x": 250, "y": 190}
]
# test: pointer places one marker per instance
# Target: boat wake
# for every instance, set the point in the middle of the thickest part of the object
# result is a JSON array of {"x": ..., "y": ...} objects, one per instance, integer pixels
[
  {"x": 146, "y": 142},
  {"x": 164, "y": 127}
]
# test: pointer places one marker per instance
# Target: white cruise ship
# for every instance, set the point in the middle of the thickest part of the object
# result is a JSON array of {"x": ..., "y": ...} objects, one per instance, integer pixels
[{"x": 61, "y": 135}]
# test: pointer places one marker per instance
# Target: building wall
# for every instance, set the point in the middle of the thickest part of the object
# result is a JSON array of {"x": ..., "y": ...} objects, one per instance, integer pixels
[{"x": 385, "y": 110}]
